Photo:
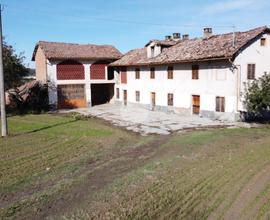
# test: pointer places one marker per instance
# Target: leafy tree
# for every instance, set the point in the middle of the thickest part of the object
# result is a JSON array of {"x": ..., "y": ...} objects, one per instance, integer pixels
[
  {"x": 257, "y": 96},
  {"x": 14, "y": 69}
]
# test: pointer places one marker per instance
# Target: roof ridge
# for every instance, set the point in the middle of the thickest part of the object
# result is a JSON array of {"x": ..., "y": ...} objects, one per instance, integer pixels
[{"x": 78, "y": 44}]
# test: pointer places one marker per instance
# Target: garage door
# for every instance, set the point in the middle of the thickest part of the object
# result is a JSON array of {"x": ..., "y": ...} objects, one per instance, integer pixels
[{"x": 71, "y": 96}]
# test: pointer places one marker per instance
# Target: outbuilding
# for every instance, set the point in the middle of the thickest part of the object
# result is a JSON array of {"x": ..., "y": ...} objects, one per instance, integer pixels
[{"x": 77, "y": 75}]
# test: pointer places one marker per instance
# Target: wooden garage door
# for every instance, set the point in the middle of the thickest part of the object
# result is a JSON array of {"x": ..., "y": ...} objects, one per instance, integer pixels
[{"x": 71, "y": 96}]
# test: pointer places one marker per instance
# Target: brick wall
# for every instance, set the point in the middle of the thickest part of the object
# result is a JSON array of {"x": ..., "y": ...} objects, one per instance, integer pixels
[{"x": 41, "y": 67}]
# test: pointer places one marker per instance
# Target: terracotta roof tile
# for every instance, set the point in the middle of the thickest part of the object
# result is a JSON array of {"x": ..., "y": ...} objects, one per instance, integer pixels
[
  {"x": 214, "y": 47},
  {"x": 56, "y": 50}
]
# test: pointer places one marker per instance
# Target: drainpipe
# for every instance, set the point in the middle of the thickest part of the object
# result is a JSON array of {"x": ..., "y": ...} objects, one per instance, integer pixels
[{"x": 238, "y": 85}]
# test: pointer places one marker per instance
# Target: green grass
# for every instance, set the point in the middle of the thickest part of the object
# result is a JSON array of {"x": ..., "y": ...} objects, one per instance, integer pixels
[
  {"x": 50, "y": 152},
  {"x": 119, "y": 174}
]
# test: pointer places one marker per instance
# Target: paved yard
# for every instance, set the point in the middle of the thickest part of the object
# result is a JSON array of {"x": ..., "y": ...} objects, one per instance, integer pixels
[{"x": 148, "y": 122}]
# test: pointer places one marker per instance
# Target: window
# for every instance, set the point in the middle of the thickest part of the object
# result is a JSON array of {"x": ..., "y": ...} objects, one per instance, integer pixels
[
  {"x": 170, "y": 72},
  {"x": 137, "y": 96},
  {"x": 137, "y": 73},
  {"x": 117, "y": 93},
  {"x": 170, "y": 99},
  {"x": 263, "y": 42},
  {"x": 251, "y": 71},
  {"x": 220, "y": 104},
  {"x": 124, "y": 75},
  {"x": 195, "y": 71},
  {"x": 152, "y": 51},
  {"x": 152, "y": 73}
]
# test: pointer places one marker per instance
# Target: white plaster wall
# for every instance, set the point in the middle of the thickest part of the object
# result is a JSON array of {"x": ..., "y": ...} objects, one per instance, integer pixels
[
  {"x": 53, "y": 82},
  {"x": 254, "y": 54},
  {"x": 157, "y": 49},
  {"x": 215, "y": 79}
]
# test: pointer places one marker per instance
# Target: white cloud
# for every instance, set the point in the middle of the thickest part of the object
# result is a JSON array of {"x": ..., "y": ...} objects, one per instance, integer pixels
[{"x": 227, "y": 6}]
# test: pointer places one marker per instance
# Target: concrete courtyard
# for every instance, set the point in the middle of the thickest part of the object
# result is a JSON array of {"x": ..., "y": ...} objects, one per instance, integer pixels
[{"x": 146, "y": 122}]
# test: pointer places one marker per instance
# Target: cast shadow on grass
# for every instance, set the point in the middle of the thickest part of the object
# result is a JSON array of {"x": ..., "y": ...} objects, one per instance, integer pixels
[{"x": 52, "y": 126}]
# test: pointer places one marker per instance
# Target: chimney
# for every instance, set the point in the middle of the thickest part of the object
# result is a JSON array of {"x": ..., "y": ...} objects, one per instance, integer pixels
[
  {"x": 168, "y": 37},
  {"x": 207, "y": 32},
  {"x": 176, "y": 36},
  {"x": 185, "y": 37}
]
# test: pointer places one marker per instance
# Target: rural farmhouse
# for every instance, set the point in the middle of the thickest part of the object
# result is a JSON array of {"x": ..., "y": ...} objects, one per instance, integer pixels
[{"x": 205, "y": 76}]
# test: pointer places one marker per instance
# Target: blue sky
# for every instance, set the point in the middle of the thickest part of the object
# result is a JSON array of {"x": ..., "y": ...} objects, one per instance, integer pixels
[{"x": 126, "y": 24}]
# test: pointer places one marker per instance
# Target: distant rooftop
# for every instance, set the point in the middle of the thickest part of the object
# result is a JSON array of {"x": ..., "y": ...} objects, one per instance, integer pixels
[{"x": 57, "y": 50}]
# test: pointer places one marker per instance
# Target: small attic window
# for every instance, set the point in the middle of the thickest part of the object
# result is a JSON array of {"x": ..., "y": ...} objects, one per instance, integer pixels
[
  {"x": 263, "y": 42},
  {"x": 152, "y": 51}
]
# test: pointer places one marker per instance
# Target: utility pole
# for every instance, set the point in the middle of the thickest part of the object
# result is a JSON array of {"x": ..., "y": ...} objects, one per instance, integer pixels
[{"x": 2, "y": 86}]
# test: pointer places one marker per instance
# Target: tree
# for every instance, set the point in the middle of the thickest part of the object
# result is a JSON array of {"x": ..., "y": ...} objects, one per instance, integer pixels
[
  {"x": 257, "y": 97},
  {"x": 14, "y": 69}
]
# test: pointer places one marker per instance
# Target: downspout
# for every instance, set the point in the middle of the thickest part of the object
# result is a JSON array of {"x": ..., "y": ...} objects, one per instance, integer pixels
[{"x": 238, "y": 85}]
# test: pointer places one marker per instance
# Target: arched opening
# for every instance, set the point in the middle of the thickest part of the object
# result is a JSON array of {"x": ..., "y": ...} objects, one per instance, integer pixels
[
  {"x": 98, "y": 70},
  {"x": 70, "y": 70}
]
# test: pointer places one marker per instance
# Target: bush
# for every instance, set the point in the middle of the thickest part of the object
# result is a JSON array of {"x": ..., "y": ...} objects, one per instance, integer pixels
[{"x": 257, "y": 99}]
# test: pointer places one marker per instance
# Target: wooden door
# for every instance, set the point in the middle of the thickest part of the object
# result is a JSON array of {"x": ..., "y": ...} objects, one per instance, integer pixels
[
  {"x": 71, "y": 96},
  {"x": 195, "y": 104},
  {"x": 125, "y": 96},
  {"x": 153, "y": 101}
]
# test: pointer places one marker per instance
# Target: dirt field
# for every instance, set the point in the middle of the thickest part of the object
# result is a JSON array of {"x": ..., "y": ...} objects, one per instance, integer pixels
[{"x": 58, "y": 167}]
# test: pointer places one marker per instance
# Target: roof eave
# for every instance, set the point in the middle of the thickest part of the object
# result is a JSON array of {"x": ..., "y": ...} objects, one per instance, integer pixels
[
  {"x": 84, "y": 58},
  {"x": 172, "y": 62}
]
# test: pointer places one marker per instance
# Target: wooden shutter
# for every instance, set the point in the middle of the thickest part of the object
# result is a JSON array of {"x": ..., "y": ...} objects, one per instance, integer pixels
[
  {"x": 220, "y": 104},
  {"x": 124, "y": 75},
  {"x": 137, "y": 73},
  {"x": 152, "y": 73},
  {"x": 170, "y": 99},
  {"x": 251, "y": 71},
  {"x": 170, "y": 72},
  {"x": 137, "y": 96},
  {"x": 195, "y": 71}
]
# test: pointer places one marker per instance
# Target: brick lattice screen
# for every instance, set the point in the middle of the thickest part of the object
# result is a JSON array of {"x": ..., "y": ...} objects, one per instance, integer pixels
[
  {"x": 70, "y": 70},
  {"x": 97, "y": 70}
]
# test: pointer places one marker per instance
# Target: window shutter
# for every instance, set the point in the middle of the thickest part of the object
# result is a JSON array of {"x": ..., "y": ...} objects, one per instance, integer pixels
[
  {"x": 217, "y": 104},
  {"x": 137, "y": 73},
  {"x": 152, "y": 73},
  {"x": 170, "y": 72},
  {"x": 222, "y": 104},
  {"x": 195, "y": 71},
  {"x": 124, "y": 75},
  {"x": 251, "y": 68}
]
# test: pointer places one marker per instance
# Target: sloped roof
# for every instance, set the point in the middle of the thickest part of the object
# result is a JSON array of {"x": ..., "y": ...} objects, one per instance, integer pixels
[
  {"x": 163, "y": 42},
  {"x": 211, "y": 48},
  {"x": 56, "y": 50}
]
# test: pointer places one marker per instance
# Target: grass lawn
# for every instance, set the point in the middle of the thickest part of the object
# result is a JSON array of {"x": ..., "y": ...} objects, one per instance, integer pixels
[{"x": 59, "y": 167}]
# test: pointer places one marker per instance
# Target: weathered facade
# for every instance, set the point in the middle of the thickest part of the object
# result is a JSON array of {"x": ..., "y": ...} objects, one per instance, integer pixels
[
  {"x": 204, "y": 76},
  {"x": 77, "y": 75}
]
